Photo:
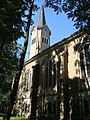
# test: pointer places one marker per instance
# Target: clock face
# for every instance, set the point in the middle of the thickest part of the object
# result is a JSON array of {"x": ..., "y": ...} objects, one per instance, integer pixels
[{"x": 45, "y": 30}]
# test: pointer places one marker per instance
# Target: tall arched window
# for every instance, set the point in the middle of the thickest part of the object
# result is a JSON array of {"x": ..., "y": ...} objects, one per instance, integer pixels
[
  {"x": 50, "y": 108},
  {"x": 86, "y": 107},
  {"x": 50, "y": 73},
  {"x": 87, "y": 57},
  {"x": 85, "y": 60},
  {"x": 26, "y": 81}
]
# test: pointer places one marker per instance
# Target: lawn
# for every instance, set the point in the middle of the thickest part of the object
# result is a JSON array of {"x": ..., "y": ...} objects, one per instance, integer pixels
[{"x": 16, "y": 118}]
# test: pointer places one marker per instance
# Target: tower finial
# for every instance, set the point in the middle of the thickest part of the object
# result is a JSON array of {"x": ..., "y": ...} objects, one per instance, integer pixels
[{"x": 42, "y": 20}]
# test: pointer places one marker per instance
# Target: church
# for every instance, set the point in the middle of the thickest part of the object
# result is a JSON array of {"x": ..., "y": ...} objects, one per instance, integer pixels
[{"x": 55, "y": 80}]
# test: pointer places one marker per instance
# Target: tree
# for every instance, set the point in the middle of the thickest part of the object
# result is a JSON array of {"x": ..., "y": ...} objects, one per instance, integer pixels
[
  {"x": 8, "y": 66},
  {"x": 20, "y": 67},
  {"x": 12, "y": 27},
  {"x": 19, "y": 12},
  {"x": 54, "y": 4},
  {"x": 78, "y": 11},
  {"x": 11, "y": 13}
]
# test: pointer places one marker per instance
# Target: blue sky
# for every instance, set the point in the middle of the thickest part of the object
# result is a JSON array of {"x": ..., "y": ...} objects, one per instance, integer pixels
[{"x": 60, "y": 26}]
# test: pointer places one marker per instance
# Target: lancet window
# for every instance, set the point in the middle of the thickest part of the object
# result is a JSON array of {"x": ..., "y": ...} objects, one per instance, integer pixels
[
  {"x": 26, "y": 83},
  {"x": 50, "y": 108},
  {"x": 85, "y": 60},
  {"x": 50, "y": 74}
]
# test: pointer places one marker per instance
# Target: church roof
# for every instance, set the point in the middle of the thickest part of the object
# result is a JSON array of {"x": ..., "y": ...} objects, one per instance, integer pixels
[{"x": 42, "y": 20}]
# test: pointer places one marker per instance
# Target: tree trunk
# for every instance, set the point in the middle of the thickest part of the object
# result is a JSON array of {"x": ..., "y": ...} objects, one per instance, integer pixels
[
  {"x": 14, "y": 89},
  {"x": 1, "y": 47},
  {"x": 34, "y": 93},
  {"x": 66, "y": 87}
]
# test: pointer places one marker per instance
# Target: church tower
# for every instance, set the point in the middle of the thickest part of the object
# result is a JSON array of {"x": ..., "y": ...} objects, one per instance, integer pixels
[{"x": 40, "y": 35}]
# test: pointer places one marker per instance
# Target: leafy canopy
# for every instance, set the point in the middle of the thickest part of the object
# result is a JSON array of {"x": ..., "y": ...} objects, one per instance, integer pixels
[
  {"x": 78, "y": 11},
  {"x": 12, "y": 25}
]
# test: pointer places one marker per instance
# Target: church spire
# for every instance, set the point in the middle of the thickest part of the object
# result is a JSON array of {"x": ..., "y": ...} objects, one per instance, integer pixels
[
  {"x": 40, "y": 35},
  {"x": 42, "y": 20}
]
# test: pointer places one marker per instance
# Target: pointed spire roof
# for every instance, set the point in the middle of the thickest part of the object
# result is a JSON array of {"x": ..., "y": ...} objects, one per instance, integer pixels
[{"x": 42, "y": 20}]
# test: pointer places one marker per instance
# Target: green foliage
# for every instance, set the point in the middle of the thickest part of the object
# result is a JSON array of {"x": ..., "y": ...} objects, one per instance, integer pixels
[
  {"x": 11, "y": 14},
  {"x": 78, "y": 11},
  {"x": 8, "y": 66},
  {"x": 16, "y": 118},
  {"x": 55, "y": 4},
  {"x": 15, "y": 19},
  {"x": 12, "y": 27}
]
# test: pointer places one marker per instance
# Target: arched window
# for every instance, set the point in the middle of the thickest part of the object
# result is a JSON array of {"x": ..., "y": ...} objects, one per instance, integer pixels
[
  {"x": 82, "y": 65},
  {"x": 50, "y": 74},
  {"x": 86, "y": 108},
  {"x": 50, "y": 108},
  {"x": 26, "y": 107},
  {"x": 26, "y": 81},
  {"x": 85, "y": 60},
  {"x": 87, "y": 57}
]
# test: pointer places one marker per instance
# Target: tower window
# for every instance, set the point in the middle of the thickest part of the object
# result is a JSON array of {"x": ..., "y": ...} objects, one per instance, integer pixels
[
  {"x": 44, "y": 40},
  {"x": 45, "y": 30},
  {"x": 34, "y": 40}
]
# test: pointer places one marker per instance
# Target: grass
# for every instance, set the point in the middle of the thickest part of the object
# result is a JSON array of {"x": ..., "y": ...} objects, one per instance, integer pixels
[{"x": 16, "y": 118}]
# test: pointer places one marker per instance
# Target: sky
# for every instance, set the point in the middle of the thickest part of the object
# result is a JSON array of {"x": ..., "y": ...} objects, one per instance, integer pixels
[{"x": 60, "y": 26}]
